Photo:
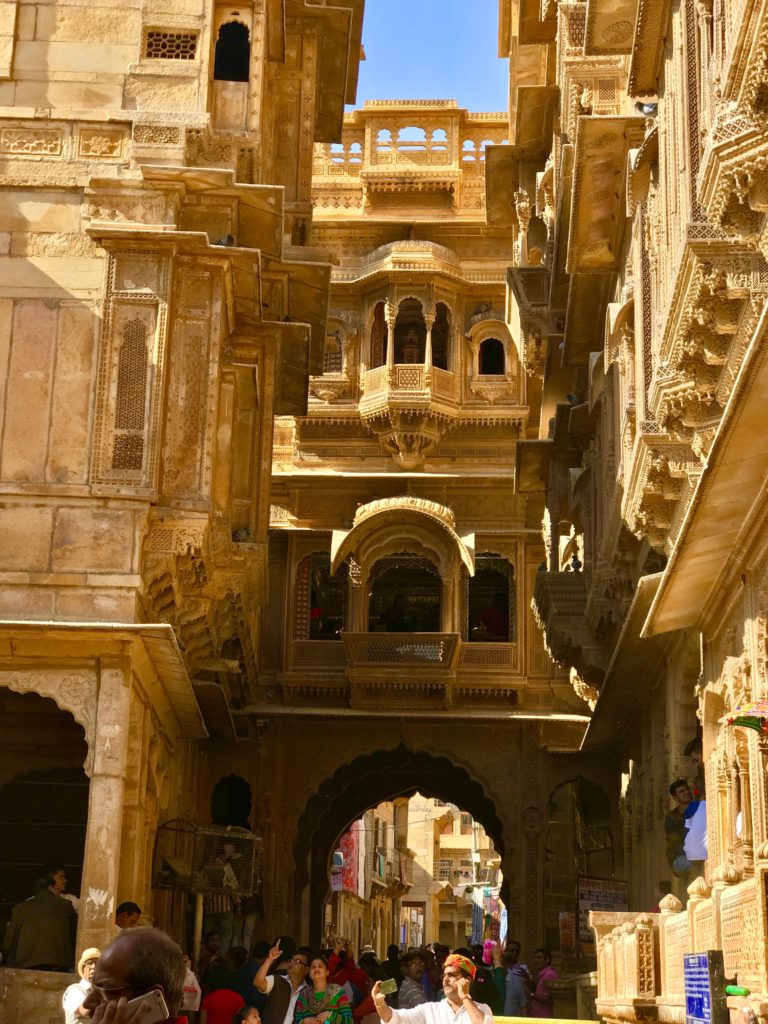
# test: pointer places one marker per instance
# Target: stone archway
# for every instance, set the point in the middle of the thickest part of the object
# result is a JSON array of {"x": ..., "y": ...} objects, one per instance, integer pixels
[{"x": 363, "y": 783}]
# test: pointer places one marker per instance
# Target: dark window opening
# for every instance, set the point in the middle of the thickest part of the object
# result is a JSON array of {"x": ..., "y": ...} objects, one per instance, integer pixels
[
  {"x": 232, "y": 60},
  {"x": 492, "y": 358},
  {"x": 491, "y": 612},
  {"x": 405, "y": 596},
  {"x": 410, "y": 332},
  {"x": 379, "y": 337},
  {"x": 333, "y": 358},
  {"x": 327, "y": 598},
  {"x": 441, "y": 337}
]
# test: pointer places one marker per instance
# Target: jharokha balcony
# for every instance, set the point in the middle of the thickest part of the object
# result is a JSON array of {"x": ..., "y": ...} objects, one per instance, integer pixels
[
  {"x": 409, "y": 407},
  {"x": 414, "y": 671}
]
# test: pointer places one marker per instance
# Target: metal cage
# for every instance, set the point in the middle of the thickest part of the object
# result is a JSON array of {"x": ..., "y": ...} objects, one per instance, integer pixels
[{"x": 206, "y": 859}]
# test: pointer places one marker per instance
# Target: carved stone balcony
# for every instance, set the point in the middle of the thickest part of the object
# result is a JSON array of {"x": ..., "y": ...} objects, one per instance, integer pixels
[
  {"x": 409, "y": 669},
  {"x": 409, "y": 407},
  {"x": 559, "y": 606},
  {"x": 412, "y": 671}
]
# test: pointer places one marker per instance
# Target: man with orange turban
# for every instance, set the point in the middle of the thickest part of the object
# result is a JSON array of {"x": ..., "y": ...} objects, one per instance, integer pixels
[{"x": 458, "y": 1007}]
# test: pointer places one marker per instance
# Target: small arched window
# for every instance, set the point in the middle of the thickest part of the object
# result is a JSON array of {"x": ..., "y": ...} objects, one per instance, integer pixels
[
  {"x": 410, "y": 332},
  {"x": 441, "y": 337},
  {"x": 405, "y": 595},
  {"x": 333, "y": 358},
  {"x": 320, "y": 599},
  {"x": 491, "y": 601},
  {"x": 379, "y": 337},
  {"x": 491, "y": 359},
  {"x": 232, "y": 58}
]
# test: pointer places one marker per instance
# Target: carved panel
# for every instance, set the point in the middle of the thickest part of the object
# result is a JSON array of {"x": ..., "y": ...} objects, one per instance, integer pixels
[
  {"x": 130, "y": 372},
  {"x": 189, "y": 400}
]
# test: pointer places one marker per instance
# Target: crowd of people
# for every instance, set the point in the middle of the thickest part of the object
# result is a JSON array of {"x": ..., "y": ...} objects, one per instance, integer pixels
[{"x": 285, "y": 983}]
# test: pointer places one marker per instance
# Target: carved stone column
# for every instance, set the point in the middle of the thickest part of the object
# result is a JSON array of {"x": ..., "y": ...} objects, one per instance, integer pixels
[
  {"x": 390, "y": 315},
  {"x": 429, "y": 319},
  {"x": 357, "y": 599},
  {"x": 105, "y": 806}
]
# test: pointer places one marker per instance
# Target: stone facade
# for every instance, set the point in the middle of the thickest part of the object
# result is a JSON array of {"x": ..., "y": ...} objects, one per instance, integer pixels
[
  {"x": 647, "y": 170},
  {"x": 157, "y": 310},
  {"x": 264, "y": 365}
]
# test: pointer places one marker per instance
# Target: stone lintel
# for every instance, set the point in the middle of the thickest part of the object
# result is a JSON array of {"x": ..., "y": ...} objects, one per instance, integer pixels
[
  {"x": 598, "y": 213},
  {"x": 648, "y": 46}
]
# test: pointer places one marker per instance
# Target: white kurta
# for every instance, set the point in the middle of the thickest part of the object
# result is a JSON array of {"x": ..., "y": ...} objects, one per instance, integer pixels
[{"x": 439, "y": 1013}]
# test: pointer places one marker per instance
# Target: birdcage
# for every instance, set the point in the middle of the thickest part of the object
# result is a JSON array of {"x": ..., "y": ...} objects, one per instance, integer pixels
[{"x": 206, "y": 858}]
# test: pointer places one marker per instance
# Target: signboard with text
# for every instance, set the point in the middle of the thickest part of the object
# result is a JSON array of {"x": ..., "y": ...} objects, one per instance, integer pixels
[
  {"x": 610, "y": 894},
  {"x": 704, "y": 979}
]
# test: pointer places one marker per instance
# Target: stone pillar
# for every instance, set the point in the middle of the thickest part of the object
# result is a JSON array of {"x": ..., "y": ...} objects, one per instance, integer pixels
[
  {"x": 430, "y": 322},
  {"x": 357, "y": 599},
  {"x": 105, "y": 806},
  {"x": 390, "y": 315}
]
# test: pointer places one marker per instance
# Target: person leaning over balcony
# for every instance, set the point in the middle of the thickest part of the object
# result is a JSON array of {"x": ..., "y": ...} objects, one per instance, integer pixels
[
  {"x": 458, "y": 1007},
  {"x": 677, "y": 824}
]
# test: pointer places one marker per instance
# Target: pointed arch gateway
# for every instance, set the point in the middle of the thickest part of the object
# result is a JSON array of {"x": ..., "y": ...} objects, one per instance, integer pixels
[{"x": 364, "y": 782}]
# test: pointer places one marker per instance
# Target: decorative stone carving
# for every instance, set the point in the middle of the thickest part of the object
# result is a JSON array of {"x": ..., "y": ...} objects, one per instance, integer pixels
[{"x": 75, "y": 692}]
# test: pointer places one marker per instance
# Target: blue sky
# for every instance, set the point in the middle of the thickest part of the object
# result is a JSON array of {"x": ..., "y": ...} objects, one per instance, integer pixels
[{"x": 433, "y": 49}]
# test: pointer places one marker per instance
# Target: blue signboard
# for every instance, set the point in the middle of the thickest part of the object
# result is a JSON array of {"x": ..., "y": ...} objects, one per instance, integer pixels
[{"x": 705, "y": 1001}]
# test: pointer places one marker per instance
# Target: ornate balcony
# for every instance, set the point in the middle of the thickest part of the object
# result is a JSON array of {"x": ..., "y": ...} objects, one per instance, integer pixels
[
  {"x": 409, "y": 407},
  {"x": 559, "y": 606},
  {"x": 412, "y": 671}
]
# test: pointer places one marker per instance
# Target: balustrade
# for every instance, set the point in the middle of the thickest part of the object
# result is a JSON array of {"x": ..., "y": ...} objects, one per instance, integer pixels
[{"x": 429, "y": 650}]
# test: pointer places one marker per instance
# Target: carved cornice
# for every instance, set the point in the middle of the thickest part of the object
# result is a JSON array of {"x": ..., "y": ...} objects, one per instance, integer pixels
[{"x": 716, "y": 300}]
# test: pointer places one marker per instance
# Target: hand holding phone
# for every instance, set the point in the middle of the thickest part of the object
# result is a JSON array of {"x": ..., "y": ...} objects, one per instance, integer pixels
[
  {"x": 388, "y": 987},
  {"x": 147, "y": 1009}
]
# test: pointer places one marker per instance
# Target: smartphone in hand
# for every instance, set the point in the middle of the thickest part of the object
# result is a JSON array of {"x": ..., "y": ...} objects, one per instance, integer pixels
[
  {"x": 148, "y": 1009},
  {"x": 388, "y": 987}
]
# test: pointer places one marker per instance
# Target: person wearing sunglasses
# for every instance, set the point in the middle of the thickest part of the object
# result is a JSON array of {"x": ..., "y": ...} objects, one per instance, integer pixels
[{"x": 458, "y": 1006}]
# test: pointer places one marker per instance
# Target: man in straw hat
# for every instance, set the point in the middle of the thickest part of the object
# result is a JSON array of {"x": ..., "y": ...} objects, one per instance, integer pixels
[
  {"x": 74, "y": 996},
  {"x": 458, "y": 1007}
]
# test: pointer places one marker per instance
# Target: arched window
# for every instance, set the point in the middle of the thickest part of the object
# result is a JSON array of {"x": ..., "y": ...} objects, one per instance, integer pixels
[
  {"x": 232, "y": 57},
  {"x": 131, "y": 397},
  {"x": 333, "y": 358},
  {"x": 320, "y": 599},
  {"x": 491, "y": 601},
  {"x": 441, "y": 337},
  {"x": 410, "y": 332},
  {"x": 491, "y": 359},
  {"x": 405, "y": 595},
  {"x": 379, "y": 337}
]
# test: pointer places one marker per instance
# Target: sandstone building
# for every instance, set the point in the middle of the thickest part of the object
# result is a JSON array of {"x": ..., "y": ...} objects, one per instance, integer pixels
[{"x": 412, "y": 448}]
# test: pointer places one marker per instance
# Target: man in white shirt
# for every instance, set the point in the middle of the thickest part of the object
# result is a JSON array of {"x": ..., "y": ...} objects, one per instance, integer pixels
[
  {"x": 282, "y": 993},
  {"x": 74, "y": 996},
  {"x": 458, "y": 1007}
]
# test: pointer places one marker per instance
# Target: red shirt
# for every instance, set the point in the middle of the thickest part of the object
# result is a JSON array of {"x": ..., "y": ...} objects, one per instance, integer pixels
[{"x": 221, "y": 1005}]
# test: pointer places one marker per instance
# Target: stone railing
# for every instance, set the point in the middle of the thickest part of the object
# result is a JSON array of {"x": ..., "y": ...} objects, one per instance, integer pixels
[
  {"x": 407, "y": 381},
  {"x": 627, "y": 963},
  {"x": 425, "y": 650},
  {"x": 640, "y": 956}
]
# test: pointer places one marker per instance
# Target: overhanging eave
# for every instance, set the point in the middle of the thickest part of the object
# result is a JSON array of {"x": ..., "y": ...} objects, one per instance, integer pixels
[{"x": 722, "y": 506}]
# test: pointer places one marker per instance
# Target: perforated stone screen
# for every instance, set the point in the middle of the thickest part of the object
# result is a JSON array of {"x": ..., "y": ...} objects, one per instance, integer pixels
[{"x": 170, "y": 45}]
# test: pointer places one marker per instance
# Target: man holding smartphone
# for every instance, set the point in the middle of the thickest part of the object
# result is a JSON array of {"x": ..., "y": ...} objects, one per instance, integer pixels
[
  {"x": 458, "y": 1007},
  {"x": 139, "y": 979}
]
